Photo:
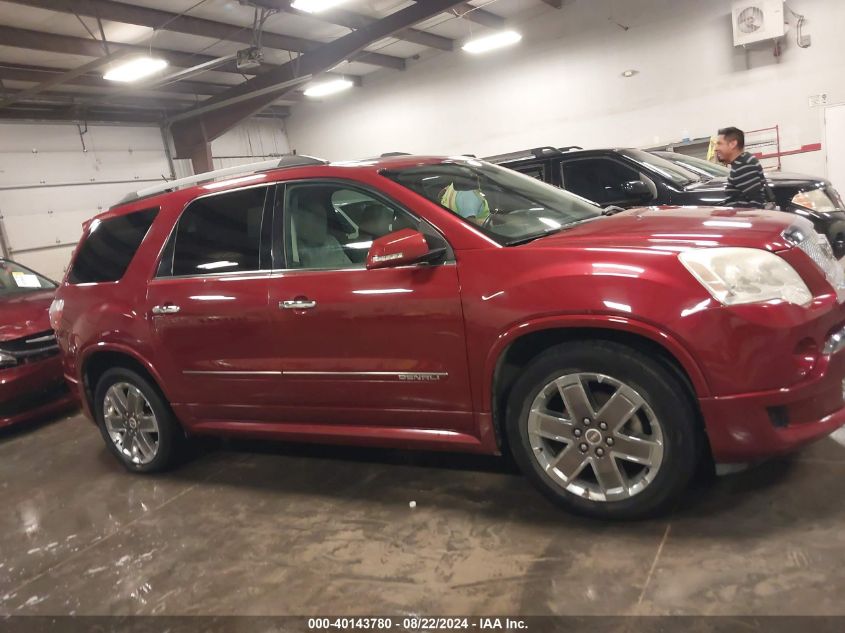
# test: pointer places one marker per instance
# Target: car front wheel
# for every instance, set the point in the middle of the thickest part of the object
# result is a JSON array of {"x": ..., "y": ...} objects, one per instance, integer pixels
[{"x": 603, "y": 430}]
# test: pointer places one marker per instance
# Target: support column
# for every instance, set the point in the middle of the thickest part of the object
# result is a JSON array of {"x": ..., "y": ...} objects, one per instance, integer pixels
[{"x": 201, "y": 158}]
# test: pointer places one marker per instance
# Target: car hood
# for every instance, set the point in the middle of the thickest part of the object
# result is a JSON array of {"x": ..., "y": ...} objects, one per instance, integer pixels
[
  {"x": 775, "y": 179},
  {"x": 681, "y": 228},
  {"x": 25, "y": 314}
]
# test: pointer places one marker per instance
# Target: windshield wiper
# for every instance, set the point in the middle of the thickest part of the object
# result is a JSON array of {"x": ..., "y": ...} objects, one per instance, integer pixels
[{"x": 537, "y": 236}]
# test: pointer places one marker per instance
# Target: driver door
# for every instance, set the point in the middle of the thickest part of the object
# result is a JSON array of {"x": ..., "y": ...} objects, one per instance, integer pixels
[{"x": 363, "y": 347}]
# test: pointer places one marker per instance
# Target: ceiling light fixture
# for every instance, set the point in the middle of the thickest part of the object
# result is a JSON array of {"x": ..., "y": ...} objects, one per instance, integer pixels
[
  {"x": 135, "y": 69},
  {"x": 315, "y": 6},
  {"x": 630, "y": 73},
  {"x": 492, "y": 42},
  {"x": 328, "y": 88}
]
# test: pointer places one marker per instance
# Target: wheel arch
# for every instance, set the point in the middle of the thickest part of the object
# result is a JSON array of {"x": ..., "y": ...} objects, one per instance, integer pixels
[{"x": 517, "y": 347}]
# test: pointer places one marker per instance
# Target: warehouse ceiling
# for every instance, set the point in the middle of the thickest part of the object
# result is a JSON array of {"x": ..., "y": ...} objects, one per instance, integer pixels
[{"x": 53, "y": 54}]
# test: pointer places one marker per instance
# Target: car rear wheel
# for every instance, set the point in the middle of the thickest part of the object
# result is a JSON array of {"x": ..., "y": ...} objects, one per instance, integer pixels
[
  {"x": 603, "y": 430},
  {"x": 136, "y": 423}
]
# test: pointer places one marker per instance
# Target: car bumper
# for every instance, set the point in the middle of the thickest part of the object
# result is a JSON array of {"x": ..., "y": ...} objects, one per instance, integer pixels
[
  {"x": 752, "y": 426},
  {"x": 33, "y": 390}
]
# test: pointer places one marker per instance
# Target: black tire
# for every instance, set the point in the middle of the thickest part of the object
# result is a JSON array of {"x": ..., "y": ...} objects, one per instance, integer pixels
[
  {"x": 171, "y": 438},
  {"x": 664, "y": 393}
]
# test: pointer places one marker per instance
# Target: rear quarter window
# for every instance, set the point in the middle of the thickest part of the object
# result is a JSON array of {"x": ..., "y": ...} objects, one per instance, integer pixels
[{"x": 110, "y": 246}]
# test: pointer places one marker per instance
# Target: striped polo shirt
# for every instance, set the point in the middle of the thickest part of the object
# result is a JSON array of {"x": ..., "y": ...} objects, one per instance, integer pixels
[{"x": 746, "y": 183}]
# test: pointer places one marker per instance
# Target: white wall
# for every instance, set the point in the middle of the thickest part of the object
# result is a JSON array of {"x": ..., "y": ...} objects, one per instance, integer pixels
[
  {"x": 50, "y": 183},
  {"x": 563, "y": 86}
]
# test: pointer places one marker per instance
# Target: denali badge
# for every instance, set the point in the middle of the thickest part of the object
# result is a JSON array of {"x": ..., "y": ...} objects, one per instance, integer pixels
[{"x": 420, "y": 377}]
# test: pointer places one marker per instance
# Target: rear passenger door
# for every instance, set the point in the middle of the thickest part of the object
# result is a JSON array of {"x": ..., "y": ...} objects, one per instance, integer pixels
[{"x": 207, "y": 307}]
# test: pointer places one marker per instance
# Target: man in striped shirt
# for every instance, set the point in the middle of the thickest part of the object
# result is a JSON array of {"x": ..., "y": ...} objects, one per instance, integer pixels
[{"x": 746, "y": 182}]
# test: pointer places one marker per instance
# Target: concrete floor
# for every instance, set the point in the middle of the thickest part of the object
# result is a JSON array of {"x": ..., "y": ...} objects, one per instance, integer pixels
[{"x": 263, "y": 529}]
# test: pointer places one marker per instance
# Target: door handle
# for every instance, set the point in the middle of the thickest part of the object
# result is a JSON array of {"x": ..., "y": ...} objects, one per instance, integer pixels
[
  {"x": 298, "y": 304},
  {"x": 165, "y": 309}
]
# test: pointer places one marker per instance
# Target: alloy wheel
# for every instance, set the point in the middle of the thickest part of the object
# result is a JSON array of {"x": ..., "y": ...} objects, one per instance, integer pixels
[
  {"x": 595, "y": 436},
  {"x": 131, "y": 423}
]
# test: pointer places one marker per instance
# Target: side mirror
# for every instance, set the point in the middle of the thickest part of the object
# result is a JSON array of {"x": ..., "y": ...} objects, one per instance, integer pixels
[
  {"x": 637, "y": 190},
  {"x": 401, "y": 249}
]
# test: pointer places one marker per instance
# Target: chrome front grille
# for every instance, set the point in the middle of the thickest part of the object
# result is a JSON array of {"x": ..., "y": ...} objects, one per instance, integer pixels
[
  {"x": 33, "y": 347},
  {"x": 818, "y": 249}
]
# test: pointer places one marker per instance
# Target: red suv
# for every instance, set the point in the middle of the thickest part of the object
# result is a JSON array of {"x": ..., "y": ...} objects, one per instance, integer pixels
[{"x": 450, "y": 304}]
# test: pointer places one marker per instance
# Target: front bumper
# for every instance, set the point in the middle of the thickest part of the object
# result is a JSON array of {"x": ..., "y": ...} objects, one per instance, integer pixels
[
  {"x": 33, "y": 390},
  {"x": 751, "y": 426}
]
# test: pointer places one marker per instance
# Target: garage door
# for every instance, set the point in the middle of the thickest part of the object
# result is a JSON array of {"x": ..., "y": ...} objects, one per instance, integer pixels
[{"x": 54, "y": 177}]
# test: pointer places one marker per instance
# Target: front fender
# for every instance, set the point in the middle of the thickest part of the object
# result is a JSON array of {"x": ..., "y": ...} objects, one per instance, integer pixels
[{"x": 596, "y": 322}]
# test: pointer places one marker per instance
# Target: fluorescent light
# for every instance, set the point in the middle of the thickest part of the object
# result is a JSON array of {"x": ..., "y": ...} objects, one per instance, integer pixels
[
  {"x": 630, "y": 73},
  {"x": 490, "y": 42},
  {"x": 315, "y": 6},
  {"x": 328, "y": 88},
  {"x": 135, "y": 69}
]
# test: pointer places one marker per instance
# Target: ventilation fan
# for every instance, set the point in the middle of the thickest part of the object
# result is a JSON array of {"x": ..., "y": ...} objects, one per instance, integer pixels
[
  {"x": 750, "y": 20},
  {"x": 757, "y": 21}
]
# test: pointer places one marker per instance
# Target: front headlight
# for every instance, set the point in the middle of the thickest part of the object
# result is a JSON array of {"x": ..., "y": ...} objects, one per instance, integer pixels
[
  {"x": 7, "y": 360},
  {"x": 746, "y": 275},
  {"x": 815, "y": 200}
]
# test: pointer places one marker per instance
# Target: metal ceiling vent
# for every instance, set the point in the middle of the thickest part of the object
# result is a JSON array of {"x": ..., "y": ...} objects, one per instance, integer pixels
[{"x": 757, "y": 21}]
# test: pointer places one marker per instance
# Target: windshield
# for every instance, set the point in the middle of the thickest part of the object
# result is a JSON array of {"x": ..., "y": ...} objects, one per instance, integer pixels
[
  {"x": 506, "y": 205},
  {"x": 15, "y": 279},
  {"x": 677, "y": 174},
  {"x": 698, "y": 165}
]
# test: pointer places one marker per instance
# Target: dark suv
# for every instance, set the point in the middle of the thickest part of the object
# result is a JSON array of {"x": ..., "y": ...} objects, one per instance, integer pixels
[
  {"x": 364, "y": 303},
  {"x": 631, "y": 177}
]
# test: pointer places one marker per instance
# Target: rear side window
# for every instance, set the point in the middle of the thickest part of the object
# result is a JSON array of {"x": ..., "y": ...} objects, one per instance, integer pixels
[
  {"x": 110, "y": 246},
  {"x": 217, "y": 234}
]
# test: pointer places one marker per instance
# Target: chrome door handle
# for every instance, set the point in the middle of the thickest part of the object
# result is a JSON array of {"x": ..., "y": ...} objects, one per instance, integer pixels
[
  {"x": 298, "y": 304},
  {"x": 167, "y": 309}
]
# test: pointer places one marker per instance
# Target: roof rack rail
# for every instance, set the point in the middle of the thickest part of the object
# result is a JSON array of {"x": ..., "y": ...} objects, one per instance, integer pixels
[
  {"x": 390, "y": 154},
  {"x": 569, "y": 148},
  {"x": 289, "y": 160},
  {"x": 536, "y": 152}
]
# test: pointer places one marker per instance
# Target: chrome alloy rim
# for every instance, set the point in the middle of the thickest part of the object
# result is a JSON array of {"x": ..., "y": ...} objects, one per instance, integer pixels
[
  {"x": 595, "y": 436},
  {"x": 131, "y": 423}
]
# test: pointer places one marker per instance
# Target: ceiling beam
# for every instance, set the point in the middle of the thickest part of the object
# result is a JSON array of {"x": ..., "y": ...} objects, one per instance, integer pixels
[
  {"x": 69, "y": 45},
  {"x": 189, "y": 25},
  {"x": 479, "y": 16},
  {"x": 72, "y": 114},
  {"x": 355, "y": 21},
  {"x": 64, "y": 77},
  {"x": 207, "y": 126},
  {"x": 555, "y": 4},
  {"x": 39, "y": 74}
]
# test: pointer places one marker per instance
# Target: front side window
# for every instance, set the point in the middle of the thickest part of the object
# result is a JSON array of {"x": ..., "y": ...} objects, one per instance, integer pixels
[
  {"x": 109, "y": 247},
  {"x": 333, "y": 226},
  {"x": 15, "y": 279},
  {"x": 508, "y": 206},
  {"x": 218, "y": 234}
]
